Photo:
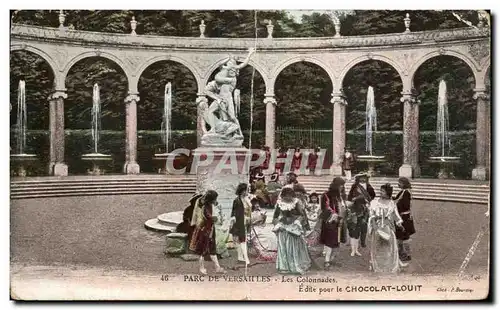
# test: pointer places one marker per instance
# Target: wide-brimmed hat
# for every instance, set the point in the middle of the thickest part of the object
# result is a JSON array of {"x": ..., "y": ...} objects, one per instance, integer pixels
[{"x": 362, "y": 174}]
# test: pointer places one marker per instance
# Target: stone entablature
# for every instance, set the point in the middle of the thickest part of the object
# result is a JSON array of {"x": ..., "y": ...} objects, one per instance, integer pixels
[
  {"x": 134, "y": 53},
  {"x": 148, "y": 41}
]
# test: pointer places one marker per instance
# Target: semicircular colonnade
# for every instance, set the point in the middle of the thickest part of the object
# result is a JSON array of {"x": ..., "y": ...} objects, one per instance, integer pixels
[{"x": 405, "y": 52}]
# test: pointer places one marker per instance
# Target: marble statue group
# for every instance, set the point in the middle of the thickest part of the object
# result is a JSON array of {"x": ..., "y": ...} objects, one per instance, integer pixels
[{"x": 221, "y": 115}]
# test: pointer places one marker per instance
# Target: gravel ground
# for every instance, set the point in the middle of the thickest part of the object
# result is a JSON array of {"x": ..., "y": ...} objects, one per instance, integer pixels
[{"x": 108, "y": 232}]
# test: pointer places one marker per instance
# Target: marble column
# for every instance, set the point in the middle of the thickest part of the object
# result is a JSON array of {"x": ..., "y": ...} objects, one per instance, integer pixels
[
  {"x": 201, "y": 128},
  {"x": 270, "y": 103},
  {"x": 131, "y": 166},
  {"x": 339, "y": 132},
  {"x": 410, "y": 167},
  {"x": 57, "y": 166},
  {"x": 482, "y": 136}
]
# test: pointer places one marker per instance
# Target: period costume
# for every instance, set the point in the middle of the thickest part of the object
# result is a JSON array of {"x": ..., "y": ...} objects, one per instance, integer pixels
[
  {"x": 187, "y": 215},
  {"x": 203, "y": 241},
  {"x": 265, "y": 164},
  {"x": 296, "y": 161},
  {"x": 381, "y": 229},
  {"x": 330, "y": 218},
  {"x": 403, "y": 203},
  {"x": 357, "y": 215},
  {"x": 261, "y": 193},
  {"x": 348, "y": 164},
  {"x": 293, "y": 256},
  {"x": 240, "y": 218},
  {"x": 280, "y": 162},
  {"x": 312, "y": 161},
  {"x": 274, "y": 188},
  {"x": 313, "y": 209}
]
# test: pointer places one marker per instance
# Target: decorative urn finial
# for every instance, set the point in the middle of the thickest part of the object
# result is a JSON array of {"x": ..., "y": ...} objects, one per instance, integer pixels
[
  {"x": 202, "y": 29},
  {"x": 133, "y": 26},
  {"x": 62, "y": 18},
  {"x": 407, "y": 22},
  {"x": 270, "y": 28}
]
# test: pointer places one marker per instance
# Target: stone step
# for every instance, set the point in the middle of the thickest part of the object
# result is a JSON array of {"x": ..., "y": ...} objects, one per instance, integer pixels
[
  {"x": 327, "y": 182},
  {"x": 106, "y": 186},
  {"x": 414, "y": 188},
  {"x": 103, "y": 182},
  {"x": 89, "y": 193},
  {"x": 416, "y": 193},
  {"x": 155, "y": 225},
  {"x": 171, "y": 218},
  {"x": 106, "y": 191},
  {"x": 414, "y": 185}
]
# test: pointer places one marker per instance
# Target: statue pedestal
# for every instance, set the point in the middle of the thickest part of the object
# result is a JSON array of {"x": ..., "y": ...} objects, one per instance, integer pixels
[
  {"x": 221, "y": 169},
  {"x": 406, "y": 171}
]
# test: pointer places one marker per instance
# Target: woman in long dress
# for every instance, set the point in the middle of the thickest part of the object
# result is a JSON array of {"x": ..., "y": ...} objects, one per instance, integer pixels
[
  {"x": 332, "y": 206},
  {"x": 403, "y": 202},
  {"x": 203, "y": 242},
  {"x": 239, "y": 220},
  {"x": 293, "y": 256},
  {"x": 381, "y": 231}
]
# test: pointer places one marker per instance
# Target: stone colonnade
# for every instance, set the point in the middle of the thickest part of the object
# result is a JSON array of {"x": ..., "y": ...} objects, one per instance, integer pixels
[{"x": 410, "y": 167}]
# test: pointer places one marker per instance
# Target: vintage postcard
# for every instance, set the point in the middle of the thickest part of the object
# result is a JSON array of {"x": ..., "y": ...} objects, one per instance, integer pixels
[{"x": 250, "y": 155}]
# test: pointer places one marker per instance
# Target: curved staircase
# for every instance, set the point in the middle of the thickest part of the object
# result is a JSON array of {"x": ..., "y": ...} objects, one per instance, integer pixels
[
  {"x": 422, "y": 189},
  {"x": 43, "y": 187},
  {"x": 101, "y": 185}
]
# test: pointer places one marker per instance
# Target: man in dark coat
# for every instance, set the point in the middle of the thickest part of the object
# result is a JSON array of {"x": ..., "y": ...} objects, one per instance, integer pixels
[
  {"x": 185, "y": 226},
  {"x": 362, "y": 188}
]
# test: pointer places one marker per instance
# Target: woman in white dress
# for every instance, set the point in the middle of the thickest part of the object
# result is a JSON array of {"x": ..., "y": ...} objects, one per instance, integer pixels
[{"x": 382, "y": 223}]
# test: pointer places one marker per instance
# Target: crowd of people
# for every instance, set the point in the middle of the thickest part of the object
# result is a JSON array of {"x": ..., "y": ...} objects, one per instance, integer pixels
[
  {"x": 359, "y": 218},
  {"x": 348, "y": 162}
]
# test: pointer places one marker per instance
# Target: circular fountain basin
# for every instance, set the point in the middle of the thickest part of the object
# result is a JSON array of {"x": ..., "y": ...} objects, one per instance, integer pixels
[
  {"x": 23, "y": 157},
  {"x": 96, "y": 157},
  {"x": 444, "y": 159},
  {"x": 163, "y": 156},
  {"x": 370, "y": 158}
]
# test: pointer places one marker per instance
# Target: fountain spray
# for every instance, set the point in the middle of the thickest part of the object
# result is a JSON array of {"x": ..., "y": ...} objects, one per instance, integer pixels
[
  {"x": 21, "y": 118},
  {"x": 442, "y": 127},
  {"x": 371, "y": 119},
  {"x": 167, "y": 116},
  {"x": 96, "y": 116}
]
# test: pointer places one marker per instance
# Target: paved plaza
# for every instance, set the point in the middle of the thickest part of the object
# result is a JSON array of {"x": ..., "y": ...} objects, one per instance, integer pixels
[{"x": 107, "y": 232}]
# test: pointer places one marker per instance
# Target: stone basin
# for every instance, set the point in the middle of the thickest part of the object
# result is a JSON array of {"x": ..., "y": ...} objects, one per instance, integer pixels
[
  {"x": 22, "y": 157},
  {"x": 445, "y": 163},
  {"x": 22, "y": 160},
  {"x": 96, "y": 159},
  {"x": 371, "y": 160},
  {"x": 448, "y": 159}
]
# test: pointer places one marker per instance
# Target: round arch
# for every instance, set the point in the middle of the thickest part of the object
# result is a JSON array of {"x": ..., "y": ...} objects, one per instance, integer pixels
[
  {"x": 252, "y": 63},
  {"x": 297, "y": 59},
  {"x": 39, "y": 52},
  {"x": 84, "y": 55},
  {"x": 364, "y": 58},
  {"x": 134, "y": 83},
  {"x": 471, "y": 63}
]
